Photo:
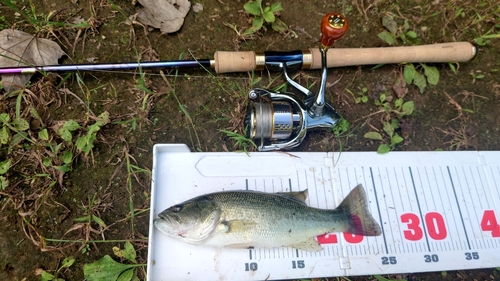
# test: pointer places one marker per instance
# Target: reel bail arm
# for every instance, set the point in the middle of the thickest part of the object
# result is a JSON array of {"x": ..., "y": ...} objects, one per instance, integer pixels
[{"x": 279, "y": 121}]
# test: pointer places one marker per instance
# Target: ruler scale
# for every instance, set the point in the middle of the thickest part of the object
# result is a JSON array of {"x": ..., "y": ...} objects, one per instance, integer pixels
[{"x": 437, "y": 210}]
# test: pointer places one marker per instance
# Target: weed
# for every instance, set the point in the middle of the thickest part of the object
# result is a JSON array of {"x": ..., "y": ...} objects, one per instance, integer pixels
[
  {"x": 412, "y": 76},
  {"x": 484, "y": 39},
  {"x": 476, "y": 76},
  {"x": 108, "y": 269},
  {"x": 361, "y": 96},
  {"x": 404, "y": 32},
  {"x": 265, "y": 15},
  {"x": 341, "y": 128},
  {"x": 241, "y": 140},
  {"x": 132, "y": 171},
  {"x": 66, "y": 263},
  {"x": 185, "y": 111},
  {"x": 4, "y": 168},
  {"x": 393, "y": 113}
]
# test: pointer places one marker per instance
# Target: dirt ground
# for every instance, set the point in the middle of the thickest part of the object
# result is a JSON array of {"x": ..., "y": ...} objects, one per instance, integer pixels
[{"x": 55, "y": 207}]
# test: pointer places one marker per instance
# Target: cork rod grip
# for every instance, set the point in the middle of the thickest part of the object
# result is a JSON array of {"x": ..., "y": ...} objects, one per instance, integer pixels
[
  {"x": 443, "y": 52},
  {"x": 225, "y": 62}
]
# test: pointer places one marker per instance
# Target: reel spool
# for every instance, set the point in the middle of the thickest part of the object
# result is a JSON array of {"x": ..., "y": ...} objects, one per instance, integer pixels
[{"x": 279, "y": 121}]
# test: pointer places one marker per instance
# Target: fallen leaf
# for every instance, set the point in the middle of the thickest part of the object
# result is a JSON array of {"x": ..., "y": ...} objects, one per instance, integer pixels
[
  {"x": 400, "y": 87},
  {"x": 389, "y": 23},
  {"x": 18, "y": 48},
  {"x": 197, "y": 7},
  {"x": 167, "y": 15}
]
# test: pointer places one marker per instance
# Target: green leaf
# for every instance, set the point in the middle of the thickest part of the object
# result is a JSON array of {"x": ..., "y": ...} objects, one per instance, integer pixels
[
  {"x": 43, "y": 134},
  {"x": 127, "y": 275},
  {"x": 395, "y": 123},
  {"x": 452, "y": 67},
  {"x": 105, "y": 269},
  {"x": 20, "y": 124},
  {"x": 387, "y": 37},
  {"x": 67, "y": 157},
  {"x": 65, "y": 134},
  {"x": 253, "y": 8},
  {"x": 130, "y": 253},
  {"x": 71, "y": 125},
  {"x": 4, "y": 135},
  {"x": 396, "y": 139},
  {"x": 46, "y": 161},
  {"x": 276, "y": 7},
  {"x": 4, "y": 118},
  {"x": 383, "y": 148},
  {"x": 279, "y": 26},
  {"x": 256, "y": 26},
  {"x": 364, "y": 99},
  {"x": 412, "y": 34},
  {"x": 409, "y": 73},
  {"x": 419, "y": 81},
  {"x": 98, "y": 220},
  {"x": 5, "y": 166},
  {"x": 268, "y": 16},
  {"x": 388, "y": 129},
  {"x": 373, "y": 136},
  {"x": 408, "y": 107},
  {"x": 67, "y": 262},
  {"x": 398, "y": 103},
  {"x": 63, "y": 168},
  {"x": 382, "y": 97},
  {"x": 432, "y": 74},
  {"x": 17, "y": 138},
  {"x": 45, "y": 276},
  {"x": 82, "y": 142},
  {"x": 4, "y": 182},
  {"x": 103, "y": 119}
]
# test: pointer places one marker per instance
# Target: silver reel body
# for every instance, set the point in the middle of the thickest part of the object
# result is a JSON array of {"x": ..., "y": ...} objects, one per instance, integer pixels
[{"x": 280, "y": 120}]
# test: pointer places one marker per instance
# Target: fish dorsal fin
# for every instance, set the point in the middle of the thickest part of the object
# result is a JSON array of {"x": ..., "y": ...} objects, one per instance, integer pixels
[
  {"x": 299, "y": 196},
  {"x": 238, "y": 225},
  {"x": 309, "y": 244}
]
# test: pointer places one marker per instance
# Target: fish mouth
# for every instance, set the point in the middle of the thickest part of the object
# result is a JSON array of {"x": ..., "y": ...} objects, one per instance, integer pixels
[{"x": 164, "y": 223}]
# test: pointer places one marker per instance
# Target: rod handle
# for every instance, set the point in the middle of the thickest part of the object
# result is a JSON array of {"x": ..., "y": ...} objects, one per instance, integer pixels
[
  {"x": 225, "y": 62},
  {"x": 437, "y": 53}
]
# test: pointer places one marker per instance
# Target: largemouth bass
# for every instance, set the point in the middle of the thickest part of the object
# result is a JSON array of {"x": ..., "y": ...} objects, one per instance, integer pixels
[{"x": 247, "y": 219}]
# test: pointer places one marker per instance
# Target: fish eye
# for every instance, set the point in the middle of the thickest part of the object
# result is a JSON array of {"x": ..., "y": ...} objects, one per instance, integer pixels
[{"x": 176, "y": 208}]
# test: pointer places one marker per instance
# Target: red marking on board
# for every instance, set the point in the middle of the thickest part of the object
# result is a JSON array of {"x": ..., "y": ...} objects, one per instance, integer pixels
[
  {"x": 435, "y": 226},
  {"x": 414, "y": 231},
  {"x": 434, "y": 221},
  {"x": 489, "y": 223},
  {"x": 329, "y": 238}
]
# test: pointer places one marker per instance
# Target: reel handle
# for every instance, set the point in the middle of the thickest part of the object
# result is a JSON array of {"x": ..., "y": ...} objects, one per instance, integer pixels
[{"x": 333, "y": 27}]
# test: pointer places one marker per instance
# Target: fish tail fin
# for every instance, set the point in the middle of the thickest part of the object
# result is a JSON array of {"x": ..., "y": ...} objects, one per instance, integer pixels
[{"x": 361, "y": 221}]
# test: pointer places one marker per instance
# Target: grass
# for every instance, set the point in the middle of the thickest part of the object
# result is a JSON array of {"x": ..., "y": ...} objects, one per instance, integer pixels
[{"x": 78, "y": 180}]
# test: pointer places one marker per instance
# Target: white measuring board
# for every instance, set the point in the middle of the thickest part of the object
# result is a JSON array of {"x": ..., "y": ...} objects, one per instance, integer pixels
[{"x": 438, "y": 211}]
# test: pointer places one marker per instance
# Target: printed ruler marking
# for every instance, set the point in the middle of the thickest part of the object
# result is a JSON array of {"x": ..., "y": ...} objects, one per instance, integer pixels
[
  {"x": 458, "y": 206},
  {"x": 379, "y": 214},
  {"x": 424, "y": 228}
]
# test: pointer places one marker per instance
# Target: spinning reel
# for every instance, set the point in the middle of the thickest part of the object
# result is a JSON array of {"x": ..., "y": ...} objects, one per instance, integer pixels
[{"x": 280, "y": 120}]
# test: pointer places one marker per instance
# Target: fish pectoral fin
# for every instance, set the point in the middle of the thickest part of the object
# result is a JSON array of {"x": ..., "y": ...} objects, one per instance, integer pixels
[
  {"x": 239, "y": 225},
  {"x": 310, "y": 245},
  {"x": 299, "y": 196}
]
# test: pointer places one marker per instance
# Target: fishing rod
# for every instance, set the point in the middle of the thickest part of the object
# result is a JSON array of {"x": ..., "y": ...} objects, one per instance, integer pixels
[
  {"x": 280, "y": 120},
  {"x": 226, "y": 62}
]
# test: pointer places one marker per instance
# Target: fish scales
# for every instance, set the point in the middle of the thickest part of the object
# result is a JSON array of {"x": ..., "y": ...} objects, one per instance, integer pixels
[
  {"x": 278, "y": 220},
  {"x": 243, "y": 219}
]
